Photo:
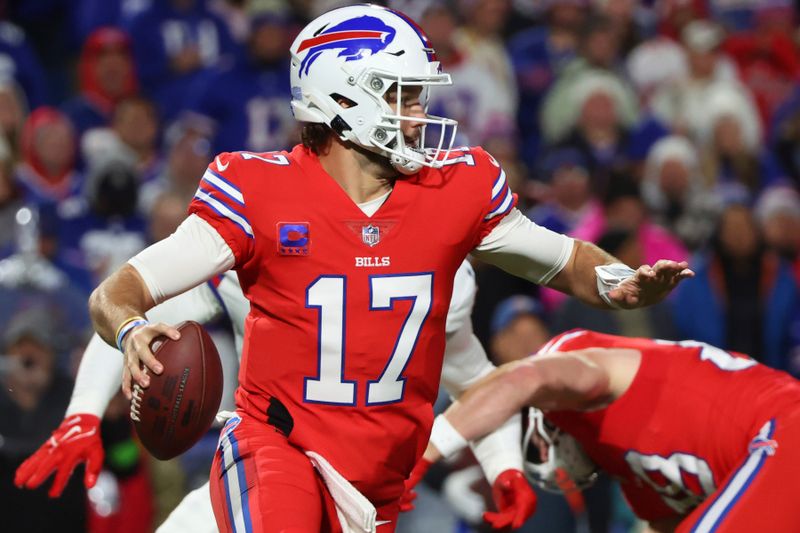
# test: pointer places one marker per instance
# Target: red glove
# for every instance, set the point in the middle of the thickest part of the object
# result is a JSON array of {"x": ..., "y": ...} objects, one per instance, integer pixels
[
  {"x": 514, "y": 498},
  {"x": 76, "y": 440},
  {"x": 409, "y": 495}
]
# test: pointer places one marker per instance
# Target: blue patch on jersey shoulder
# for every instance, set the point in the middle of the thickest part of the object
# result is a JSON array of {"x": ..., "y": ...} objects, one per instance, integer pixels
[{"x": 294, "y": 238}]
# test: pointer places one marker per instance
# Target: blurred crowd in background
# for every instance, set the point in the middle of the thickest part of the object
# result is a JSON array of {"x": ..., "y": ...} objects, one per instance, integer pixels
[{"x": 656, "y": 129}]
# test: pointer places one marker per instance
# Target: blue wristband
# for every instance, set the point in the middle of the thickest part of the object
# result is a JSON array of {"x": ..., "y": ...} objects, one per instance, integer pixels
[{"x": 124, "y": 330}]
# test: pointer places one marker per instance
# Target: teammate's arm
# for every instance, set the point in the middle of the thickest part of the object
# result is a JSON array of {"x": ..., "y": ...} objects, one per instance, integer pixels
[
  {"x": 558, "y": 381},
  {"x": 191, "y": 255}
]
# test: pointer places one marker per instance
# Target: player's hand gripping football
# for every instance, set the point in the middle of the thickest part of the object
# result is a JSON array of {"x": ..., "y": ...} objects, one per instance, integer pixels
[
  {"x": 75, "y": 441},
  {"x": 138, "y": 352},
  {"x": 409, "y": 494},
  {"x": 650, "y": 285},
  {"x": 514, "y": 498}
]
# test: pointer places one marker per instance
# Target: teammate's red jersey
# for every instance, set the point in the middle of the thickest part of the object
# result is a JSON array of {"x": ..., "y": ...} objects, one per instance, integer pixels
[
  {"x": 346, "y": 327},
  {"x": 684, "y": 424}
]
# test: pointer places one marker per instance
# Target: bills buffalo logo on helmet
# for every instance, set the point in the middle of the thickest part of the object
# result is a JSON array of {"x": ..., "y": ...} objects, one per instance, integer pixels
[{"x": 355, "y": 38}]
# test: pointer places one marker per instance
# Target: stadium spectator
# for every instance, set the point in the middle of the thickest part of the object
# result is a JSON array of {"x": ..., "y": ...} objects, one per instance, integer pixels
[
  {"x": 90, "y": 15},
  {"x": 48, "y": 149},
  {"x": 674, "y": 15},
  {"x": 744, "y": 297},
  {"x": 100, "y": 229},
  {"x": 622, "y": 15},
  {"x": 538, "y": 55},
  {"x": 767, "y": 59},
  {"x": 730, "y": 142},
  {"x": 187, "y": 156},
  {"x": 676, "y": 193},
  {"x": 106, "y": 76},
  {"x": 190, "y": 39},
  {"x": 244, "y": 104},
  {"x": 168, "y": 211},
  {"x": 596, "y": 67},
  {"x": 778, "y": 215},
  {"x": 600, "y": 115},
  {"x": 13, "y": 113},
  {"x": 33, "y": 398},
  {"x": 566, "y": 197},
  {"x": 19, "y": 63},
  {"x": 656, "y": 63},
  {"x": 479, "y": 39},
  {"x": 624, "y": 209},
  {"x": 519, "y": 328},
  {"x": 481, "y": 101},
  {"x": 682, "y": 104},
  {"x": 136, "y": 124}
]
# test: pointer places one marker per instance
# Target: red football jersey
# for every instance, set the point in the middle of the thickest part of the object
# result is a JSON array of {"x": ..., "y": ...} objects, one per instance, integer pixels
[
  {"x": 683, "y": 425},
  {"x": 347, "y": 316}
]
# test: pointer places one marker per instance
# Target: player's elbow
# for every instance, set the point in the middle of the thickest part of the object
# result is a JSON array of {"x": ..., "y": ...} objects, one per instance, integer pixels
[
  {"x": 591, "y": 384},
  {"x": 576, "y": 384},
  {"x": 96, "y": 300}
]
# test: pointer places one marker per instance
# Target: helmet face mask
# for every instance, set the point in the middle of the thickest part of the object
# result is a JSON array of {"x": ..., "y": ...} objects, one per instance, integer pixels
[
  {"x": 564, "y": 456},
  {"x": 357, "y": 54}
]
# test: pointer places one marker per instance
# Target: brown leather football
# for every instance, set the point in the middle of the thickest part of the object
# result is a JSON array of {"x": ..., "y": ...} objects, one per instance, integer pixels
[{"x": 177, "y": 409}]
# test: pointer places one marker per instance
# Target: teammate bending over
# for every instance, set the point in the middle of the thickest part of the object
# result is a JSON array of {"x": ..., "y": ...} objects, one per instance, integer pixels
[{"x": 700, "y": 439}]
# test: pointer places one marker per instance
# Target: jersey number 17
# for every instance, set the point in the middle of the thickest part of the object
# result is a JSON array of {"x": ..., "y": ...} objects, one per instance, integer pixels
[{"x": 327, "y": 295}]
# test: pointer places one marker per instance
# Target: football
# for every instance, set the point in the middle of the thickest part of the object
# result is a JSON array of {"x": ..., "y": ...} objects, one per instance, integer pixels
[{"x": 178, "y": 407}]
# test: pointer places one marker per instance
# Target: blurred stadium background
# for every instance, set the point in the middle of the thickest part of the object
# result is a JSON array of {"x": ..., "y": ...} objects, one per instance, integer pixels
[{"x": 657, "y": 129}]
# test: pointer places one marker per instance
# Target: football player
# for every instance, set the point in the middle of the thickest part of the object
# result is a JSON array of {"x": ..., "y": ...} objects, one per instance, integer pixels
[
  {"x": 77, "y": 440},
  {"x": 700, "y": 439},
  {"x": 346, "y": 248}
]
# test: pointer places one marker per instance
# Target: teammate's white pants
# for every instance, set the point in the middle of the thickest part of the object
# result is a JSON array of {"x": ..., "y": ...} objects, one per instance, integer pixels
[{"x": 194, "y": 514}]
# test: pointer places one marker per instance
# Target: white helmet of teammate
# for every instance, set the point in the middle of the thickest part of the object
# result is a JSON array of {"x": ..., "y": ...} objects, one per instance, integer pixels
[
  {"x": 564, "y": 454},
  {"x": 356, "y": 54}
]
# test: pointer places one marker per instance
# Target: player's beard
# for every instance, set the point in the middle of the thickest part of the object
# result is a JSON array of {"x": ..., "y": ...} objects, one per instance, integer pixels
[{"x": 376, "y": 164}]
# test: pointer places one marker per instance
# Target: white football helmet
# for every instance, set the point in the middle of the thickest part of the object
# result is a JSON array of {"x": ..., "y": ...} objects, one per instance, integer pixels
[
  {"x": 357, "y": 53},
  {"x": 564, "y": 452}
]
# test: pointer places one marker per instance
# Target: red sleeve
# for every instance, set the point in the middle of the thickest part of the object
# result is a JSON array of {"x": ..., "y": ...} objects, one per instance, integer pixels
[
  {"x": 499, "y": 199},
  {"x": 221, "y": 202}
]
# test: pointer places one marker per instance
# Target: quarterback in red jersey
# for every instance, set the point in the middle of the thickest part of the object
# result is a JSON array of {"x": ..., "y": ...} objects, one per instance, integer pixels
[
  {"x": 346, "y": 248},
  {"x": 700, "y": 439}
]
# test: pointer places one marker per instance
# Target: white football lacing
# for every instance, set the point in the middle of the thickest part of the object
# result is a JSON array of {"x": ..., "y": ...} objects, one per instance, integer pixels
[{"x": 136, "y": 401}]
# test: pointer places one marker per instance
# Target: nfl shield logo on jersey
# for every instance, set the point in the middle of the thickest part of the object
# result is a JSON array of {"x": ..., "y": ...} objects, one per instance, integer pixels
[{"x": 371, "y": 235}]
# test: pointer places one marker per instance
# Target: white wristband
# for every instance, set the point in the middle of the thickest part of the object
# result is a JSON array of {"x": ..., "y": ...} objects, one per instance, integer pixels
[
  {"x": 446, "y": 438},
  {"x": 609, "y": 277}
]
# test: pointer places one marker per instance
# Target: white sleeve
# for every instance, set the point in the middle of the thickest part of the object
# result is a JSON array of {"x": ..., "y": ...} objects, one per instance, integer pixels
[
  {"x": 188, "y": 257},
  {"x": 463, "y": 298},
  {"x": 100, "y": 370},
  {"x": 98, "y": 380},
  {"x": 465, "y": 363},
  {"x": 525, "y": 249}
]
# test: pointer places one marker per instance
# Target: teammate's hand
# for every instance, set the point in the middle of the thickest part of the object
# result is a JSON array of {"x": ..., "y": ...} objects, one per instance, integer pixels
[
  {"x": 137, "y": 352},
  {"x": 409, "y": 494},
  {"x": 650, "y": 285},
  {"x": 514, "y": 498},
  {"x": 77, "y": 440}
]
